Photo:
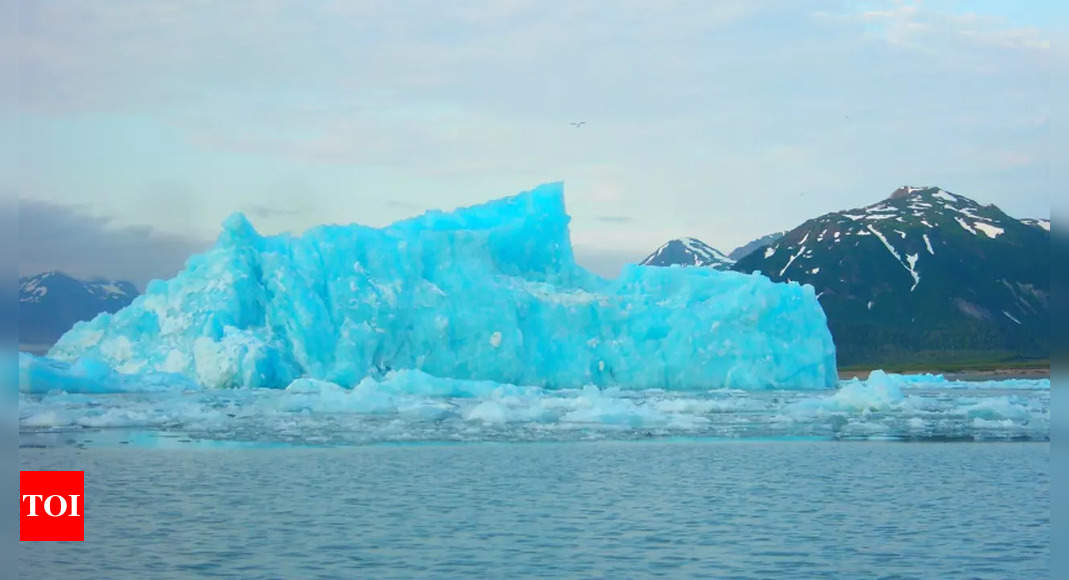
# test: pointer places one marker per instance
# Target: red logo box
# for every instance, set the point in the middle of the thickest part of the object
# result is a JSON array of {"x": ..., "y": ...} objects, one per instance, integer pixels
[{"x": 51, "y": 506}]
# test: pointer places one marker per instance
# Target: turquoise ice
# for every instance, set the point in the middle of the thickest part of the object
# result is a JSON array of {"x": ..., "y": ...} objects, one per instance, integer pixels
[{"x": 490, "y": 292}]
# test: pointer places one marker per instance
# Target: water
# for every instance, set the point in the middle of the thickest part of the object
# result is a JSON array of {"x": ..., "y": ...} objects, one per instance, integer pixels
[
  {"x": 896, "y": 476},
  {"x": 746, "y": 509}
]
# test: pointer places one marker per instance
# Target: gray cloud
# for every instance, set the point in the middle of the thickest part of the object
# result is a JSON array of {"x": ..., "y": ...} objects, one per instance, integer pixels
[
  {"x": 263, "y": 211},
  {"x": 56, "y": 237},
  {"x": 607, "y": 263},
  {"x": 614, "y": 219},
  {"x": 703, "y": 118}
]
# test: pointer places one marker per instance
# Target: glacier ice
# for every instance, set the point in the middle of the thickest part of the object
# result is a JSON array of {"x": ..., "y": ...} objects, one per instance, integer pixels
[
  {"x": 90, "y": 375},
  {"x": 484, "y": 293}
]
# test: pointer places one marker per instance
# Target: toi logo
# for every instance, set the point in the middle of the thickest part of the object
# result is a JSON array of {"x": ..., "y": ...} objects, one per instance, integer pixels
[{"x": 51, "y": 506}]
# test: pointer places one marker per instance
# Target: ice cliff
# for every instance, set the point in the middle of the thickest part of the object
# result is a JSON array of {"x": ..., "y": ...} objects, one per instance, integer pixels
[{"x": 489, "y": 292}]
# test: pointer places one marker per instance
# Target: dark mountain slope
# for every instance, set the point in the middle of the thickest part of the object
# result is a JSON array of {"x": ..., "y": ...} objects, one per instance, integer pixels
[
  {"x": 923, "y": 275},
  {"x": 50, "y": 303}
]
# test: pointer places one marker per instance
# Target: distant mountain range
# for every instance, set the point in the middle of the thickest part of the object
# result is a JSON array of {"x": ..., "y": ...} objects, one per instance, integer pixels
[
  {"x": 694, "y": 252},
  {"x": 50, "y": 303},
  {"x": 749, "y": 247},
  {"x": 688, "y": 252},
  {"x": 924, "y": 276}
]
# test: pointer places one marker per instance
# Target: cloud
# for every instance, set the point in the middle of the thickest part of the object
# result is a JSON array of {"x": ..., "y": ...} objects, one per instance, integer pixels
[
  {"x": 405, "y": 205},
  {"x": 56, "y": 237},
  {"x": 704, "y": 118},
  {"x": 264, "y": 212},
  {"x": 908, "y": 24},
  {"x": 604, "y": 262}
]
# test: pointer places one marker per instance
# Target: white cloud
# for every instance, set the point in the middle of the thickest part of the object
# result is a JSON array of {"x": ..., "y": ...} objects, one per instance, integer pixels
[{"x": 911, "y": 24}]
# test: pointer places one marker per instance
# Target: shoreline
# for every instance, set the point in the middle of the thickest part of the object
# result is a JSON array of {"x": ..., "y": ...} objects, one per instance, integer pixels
[{"x": 996, "y": 374}]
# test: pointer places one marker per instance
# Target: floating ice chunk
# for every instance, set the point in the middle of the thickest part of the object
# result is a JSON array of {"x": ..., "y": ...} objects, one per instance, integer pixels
[
  {"x": 904, "y": 381},
  {"x": 410, "y": 405},
  {"x": 880, "y": 392},
  {"x": 980, "y": 423},
  {"x": 1000, "y": 408}
]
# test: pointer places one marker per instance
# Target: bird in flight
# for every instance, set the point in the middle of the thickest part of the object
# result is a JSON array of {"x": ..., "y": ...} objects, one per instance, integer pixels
[{"x": 577, "y": 124}]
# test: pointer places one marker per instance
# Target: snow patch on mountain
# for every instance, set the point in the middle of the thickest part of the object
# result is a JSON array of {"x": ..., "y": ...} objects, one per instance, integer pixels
[
  {"x": 1043, "y": 224},
  {"x": 965, "y": 225},
  {"x": 791, "y": 261},
  {"x": 928, "y": 244},
  {"x": 910, "y": 267},
  {"x": 944, "y": 196},
  {"x": 991, "y": 231}
]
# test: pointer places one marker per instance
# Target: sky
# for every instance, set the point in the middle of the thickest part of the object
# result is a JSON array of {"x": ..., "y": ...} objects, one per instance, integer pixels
[{"x": 135, "y": 128}]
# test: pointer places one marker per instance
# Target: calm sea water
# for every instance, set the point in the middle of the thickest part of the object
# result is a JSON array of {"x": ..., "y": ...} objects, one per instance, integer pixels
[{"x": 745, "y": 509}]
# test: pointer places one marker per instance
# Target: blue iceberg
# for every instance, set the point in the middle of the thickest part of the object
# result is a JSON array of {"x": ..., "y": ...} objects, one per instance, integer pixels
[
  {"x": 485, "y": 293},
  {"x": 89, "y": 375}
]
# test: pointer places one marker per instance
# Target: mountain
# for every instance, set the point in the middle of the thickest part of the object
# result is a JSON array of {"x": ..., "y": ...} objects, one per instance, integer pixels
[
  {"x": 924, "y": 276},
  {"x": 748, "y": 248},
  {"x": 688, "y": 252},
  {"x": 50, "y": 303}
]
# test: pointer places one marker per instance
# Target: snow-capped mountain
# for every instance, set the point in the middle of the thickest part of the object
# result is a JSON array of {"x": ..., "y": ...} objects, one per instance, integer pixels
[
  {"x": 51, "y": 302},
  {"x": 923, "y": 273},
  {"x": 748, "y": 248},
  {"x": 688, "y": 252}
]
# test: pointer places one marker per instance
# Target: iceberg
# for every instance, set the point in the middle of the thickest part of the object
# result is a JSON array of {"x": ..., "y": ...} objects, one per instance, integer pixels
[
  {"x": 485, "y": 293},
  {"x": 89, "y": 375}
]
